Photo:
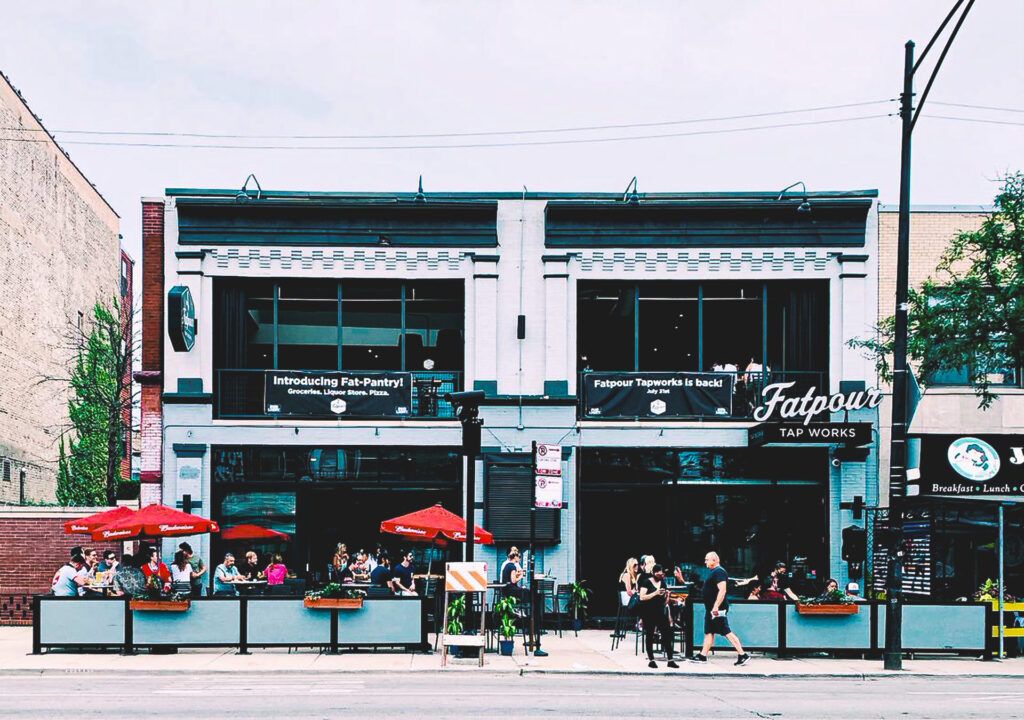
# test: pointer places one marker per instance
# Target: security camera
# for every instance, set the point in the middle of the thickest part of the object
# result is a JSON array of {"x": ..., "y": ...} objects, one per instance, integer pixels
[
  {"x": 468, "y": 398},
  {"x": 836, "y": 462}
]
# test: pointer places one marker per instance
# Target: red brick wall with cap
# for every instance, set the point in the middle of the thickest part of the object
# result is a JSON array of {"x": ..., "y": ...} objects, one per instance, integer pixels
[{"x": 33, "y": 546}]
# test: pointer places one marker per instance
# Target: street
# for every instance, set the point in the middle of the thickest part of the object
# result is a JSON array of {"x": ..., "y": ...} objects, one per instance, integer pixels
[{"x": 467, "y": 694}]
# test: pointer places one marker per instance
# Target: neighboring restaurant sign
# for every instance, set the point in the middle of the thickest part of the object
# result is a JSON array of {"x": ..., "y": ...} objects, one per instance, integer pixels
[
  {"x": 657, "y": 395},
  {"x": 181, "y": 318},
  {"x": 777, "y": 405},
  {"x": 853, "y": 434},
  {"x": 341, "y": 394},
  {"x": 547, "y": 471},
  {"x": 974, "y": 465}
]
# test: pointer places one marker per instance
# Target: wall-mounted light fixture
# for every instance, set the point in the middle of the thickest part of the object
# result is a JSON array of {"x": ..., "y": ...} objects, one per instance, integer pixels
[
  {"x": 243, "y": 196},
  {"x": 630, "y": 195},
  {"x": 803, "y": 207}
]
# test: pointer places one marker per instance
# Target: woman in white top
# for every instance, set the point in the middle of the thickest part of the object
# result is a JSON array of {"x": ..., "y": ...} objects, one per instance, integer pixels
[{"x": 181, "y": 574}]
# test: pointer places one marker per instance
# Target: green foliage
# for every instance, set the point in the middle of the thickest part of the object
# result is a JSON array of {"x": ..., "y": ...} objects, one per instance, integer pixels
[
  {"x": 505, "y": 612},
  {"x": 89, "y": 471},
  {"x": 579, "y": 599},
  {"x": 833, "y": 597},
  {"x": 972, "y": 315},
  {"x": 989, "y": 591},
  {"x": 454, "y": 615},
  {"x": 335, "y": 590}
]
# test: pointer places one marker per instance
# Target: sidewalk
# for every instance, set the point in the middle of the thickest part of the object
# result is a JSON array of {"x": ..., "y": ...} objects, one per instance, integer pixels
[{"x": 587, "y": 654}]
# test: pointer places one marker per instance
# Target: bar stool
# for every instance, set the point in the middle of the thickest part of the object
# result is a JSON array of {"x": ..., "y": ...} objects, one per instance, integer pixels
[{"x": 622, "y": 616}]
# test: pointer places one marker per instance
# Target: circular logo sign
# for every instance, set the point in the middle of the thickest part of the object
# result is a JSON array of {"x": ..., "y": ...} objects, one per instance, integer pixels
[{"x": 973, "y": 458}]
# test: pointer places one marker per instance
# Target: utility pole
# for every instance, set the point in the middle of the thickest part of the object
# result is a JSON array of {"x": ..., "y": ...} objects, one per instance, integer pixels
[{"x": 893, "y": 654}]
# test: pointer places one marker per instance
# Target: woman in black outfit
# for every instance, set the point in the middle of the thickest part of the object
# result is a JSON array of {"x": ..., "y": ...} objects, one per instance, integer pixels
[{"x": 652, "y": 606}]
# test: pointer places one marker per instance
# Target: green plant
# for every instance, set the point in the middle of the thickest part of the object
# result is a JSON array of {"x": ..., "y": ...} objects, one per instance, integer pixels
[
  {"x": 505, "y": 612},
  {"x": 989, "y": 591},
  {"x": 335, "y": 590},
  {"x": 833, "y": 597},
  {"x": 579, "y": 599},
  {"x": 453, "y": 616}
]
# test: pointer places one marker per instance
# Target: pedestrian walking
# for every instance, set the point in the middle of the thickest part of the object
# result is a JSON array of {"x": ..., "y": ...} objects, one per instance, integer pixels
[{"x": 716, "y": 607}]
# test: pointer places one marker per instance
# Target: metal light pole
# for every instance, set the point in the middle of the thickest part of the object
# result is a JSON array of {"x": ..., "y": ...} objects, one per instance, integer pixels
[{"x": 893, "y": 654}]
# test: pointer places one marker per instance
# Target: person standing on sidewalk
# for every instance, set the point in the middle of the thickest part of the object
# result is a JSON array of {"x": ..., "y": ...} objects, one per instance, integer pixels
[
  {"x": 653, "y": 609},
  {"x": 715, "y": 608}
]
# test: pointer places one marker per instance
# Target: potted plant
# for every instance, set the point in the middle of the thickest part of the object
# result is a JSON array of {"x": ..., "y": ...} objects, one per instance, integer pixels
[
  {"x": 835, "y": 602},
  {"x": 453, "y": 620},
  {"x": 989, "y": 592},
  {"x": 505, "y": 614},
  {"x": 579, "y": 598},
  {"x": 153, "y": 598},
  {"x": 334, "y": 596}
]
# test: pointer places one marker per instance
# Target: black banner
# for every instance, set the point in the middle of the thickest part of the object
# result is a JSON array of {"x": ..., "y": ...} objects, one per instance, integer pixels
[
  {"x": 339, "y": 394},
  {"x": 657, "y": 395},
  {"x": 974, "y": 465},
  {"x": 853, "y": 434}
]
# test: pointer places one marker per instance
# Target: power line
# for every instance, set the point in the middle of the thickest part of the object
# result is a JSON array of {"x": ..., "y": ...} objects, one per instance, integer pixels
[
  {"x": 979, "y": 107},
  {"x": 572, "y": 141},
  {"x": 975, "y": 120},
  {"x": 413, "y": 136}
]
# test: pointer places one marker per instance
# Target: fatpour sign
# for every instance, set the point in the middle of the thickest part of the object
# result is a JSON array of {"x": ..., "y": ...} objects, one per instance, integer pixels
[
  {"x": 657, "y": 394},
  {"x": 778, "y": 405}
]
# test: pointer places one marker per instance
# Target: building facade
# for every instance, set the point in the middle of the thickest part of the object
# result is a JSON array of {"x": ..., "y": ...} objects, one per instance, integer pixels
[
  {"x": 954, "y": 531},
  {"x": 570, "y": 311},
  {"x": 59, "y": 251}
]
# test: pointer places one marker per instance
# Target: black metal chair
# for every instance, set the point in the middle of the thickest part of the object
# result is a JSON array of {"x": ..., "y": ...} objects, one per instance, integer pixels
[{"x": 562, "y": 595}]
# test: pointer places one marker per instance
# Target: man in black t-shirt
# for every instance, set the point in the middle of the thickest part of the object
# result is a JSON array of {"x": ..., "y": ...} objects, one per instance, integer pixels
[
  {"x": 511, "y": 574},
  {"x": 401, "y": 577},
  {"x": 715, "y": 609},
  {"x": 380, "y": 576}
]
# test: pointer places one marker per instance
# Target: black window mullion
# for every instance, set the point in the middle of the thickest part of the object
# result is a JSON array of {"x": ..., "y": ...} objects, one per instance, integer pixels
[
  {"x": 341, "y": 327},
  {"x": 402, "y": 336},
  {"x": 277, "y": 293}
]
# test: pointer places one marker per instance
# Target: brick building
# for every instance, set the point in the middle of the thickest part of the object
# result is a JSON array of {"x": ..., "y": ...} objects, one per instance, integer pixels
[
  {"x": 59, "y": 254},
  {"x": 957, "y": 526}
]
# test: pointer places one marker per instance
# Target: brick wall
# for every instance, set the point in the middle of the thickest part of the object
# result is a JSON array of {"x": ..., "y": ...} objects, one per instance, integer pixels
[
  {"x": 151, "y": 418},
  {"x": 128, "y": 330},
  {"x": 58, "y": 255},
  {"x": 33, "y": 546}
]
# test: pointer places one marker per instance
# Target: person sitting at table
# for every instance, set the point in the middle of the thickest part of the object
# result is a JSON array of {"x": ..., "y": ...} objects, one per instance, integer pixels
[
  {"x": 225, "y": 577},
  {"x": 402, "y": 580},
  {"x": 776, "y": 585},
  {"x": 129, "y": 579},
  {"x": 70, "y": 578},
  {"x": 360, "y": 573},
  {"x": 109, "y": 562},
  {"x": 627, "y": 581},
  {"x": 511, "y": 575},
  {"x": 181, "y": 574},
  {"x": 250, "y": 569},
  {"x": 339, "y": 562},
  {"x": 380, "y": 576},
  {"x": 155, "y": 566},
  {"x": 276, "y": 570},
  {"x": 853, "y": 591},
  {"x": 830, "y": 587}
]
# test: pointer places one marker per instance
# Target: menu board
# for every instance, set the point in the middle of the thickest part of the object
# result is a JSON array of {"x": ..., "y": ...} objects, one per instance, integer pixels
[{"x": 917, "y": 561}]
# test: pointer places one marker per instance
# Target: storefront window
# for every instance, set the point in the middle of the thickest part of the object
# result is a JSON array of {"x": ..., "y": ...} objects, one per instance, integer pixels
[
  {"x": 307, "y": 325},
  {"x": 668, "y": 327}
]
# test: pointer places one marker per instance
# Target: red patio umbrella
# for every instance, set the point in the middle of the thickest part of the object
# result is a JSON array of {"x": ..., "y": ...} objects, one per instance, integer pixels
[
  {"x": 248, "y": 531},
  {"x": 90, "y": 522},
  {"x": 155, "y": 521},
  {"x": 434, "y": 523}
]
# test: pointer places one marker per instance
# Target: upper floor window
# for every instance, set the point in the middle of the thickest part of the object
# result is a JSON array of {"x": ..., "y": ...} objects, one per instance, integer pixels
[
  {"x": 701, "y": 326},
  {"x": 339, "y": 325}
]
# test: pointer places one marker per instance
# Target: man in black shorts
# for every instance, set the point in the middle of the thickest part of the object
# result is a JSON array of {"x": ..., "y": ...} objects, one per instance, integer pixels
[{"x": 715, "y": 609}]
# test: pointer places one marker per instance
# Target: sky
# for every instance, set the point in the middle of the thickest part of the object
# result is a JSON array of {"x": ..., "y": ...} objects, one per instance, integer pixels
[{"x": 452, "y": 68}]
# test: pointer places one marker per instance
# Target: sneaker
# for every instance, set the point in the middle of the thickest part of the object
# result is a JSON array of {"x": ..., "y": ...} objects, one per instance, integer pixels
[
  {"x": 652, "y": 664},
  {"x": 699, "y": 658},
  {"x": 672, "y": 664},
  {"x": 742, "y": 659},
  {"x": 540, "y": 653}
]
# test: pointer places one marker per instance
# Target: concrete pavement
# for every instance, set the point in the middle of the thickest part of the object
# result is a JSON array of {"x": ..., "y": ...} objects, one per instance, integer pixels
[{"x": 588, "y": 653}]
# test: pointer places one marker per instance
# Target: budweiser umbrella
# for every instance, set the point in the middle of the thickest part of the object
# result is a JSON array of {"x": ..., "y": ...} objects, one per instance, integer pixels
[
  {"x": 155, "y": 521},
  {"x": 90, "y": 522},
  {"x": 248, "y": 531},
  {"x": 434, "y": 523}
]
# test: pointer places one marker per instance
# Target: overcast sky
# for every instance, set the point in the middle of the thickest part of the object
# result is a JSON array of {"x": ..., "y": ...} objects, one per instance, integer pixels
[{"x": 415, "y": 68}]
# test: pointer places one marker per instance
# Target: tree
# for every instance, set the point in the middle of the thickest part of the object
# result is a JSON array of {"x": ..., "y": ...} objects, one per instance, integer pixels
[
  {"x": 970, "y": 318},
  {"x": 89, "y": 472}
]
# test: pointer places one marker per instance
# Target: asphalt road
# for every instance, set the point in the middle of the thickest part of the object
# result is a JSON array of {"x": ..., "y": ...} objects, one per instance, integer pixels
[{"x": 469, "y": 695}]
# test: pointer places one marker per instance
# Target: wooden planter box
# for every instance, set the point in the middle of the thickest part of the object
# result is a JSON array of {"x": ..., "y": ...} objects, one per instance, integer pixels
[
  {"x": 161, "y": 605},
  {"x": 827, "y": 609},
  {"x": 333, "y": 603}
]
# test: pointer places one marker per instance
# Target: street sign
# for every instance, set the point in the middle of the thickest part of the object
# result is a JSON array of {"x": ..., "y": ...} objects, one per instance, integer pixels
[
  {"x": 548, "y": 492},
  {"x": 549, "y": 459}
]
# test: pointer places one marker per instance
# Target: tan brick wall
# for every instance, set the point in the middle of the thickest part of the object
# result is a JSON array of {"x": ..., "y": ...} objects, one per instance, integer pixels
[
  {"x": 930, "y": 233},
  {"x": 59, "y": 253}
]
